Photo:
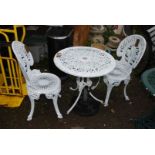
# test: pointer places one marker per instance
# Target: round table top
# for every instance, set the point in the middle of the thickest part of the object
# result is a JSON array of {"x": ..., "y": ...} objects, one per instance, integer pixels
[{"x": 82, "y": 61}]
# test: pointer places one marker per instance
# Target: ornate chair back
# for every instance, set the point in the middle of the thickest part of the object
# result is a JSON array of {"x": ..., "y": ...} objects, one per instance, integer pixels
[
  {"x": 24, "y": 58},
  {"x": 131, "y": 50}
]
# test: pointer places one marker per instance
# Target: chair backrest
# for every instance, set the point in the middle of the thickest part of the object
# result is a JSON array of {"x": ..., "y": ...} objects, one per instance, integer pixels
[
  {"x": 151, "y": 32},
  {"x": 131, "y": 53},
  {"x": 29, "y": 56},
  {"x": 24, "y": 58}
]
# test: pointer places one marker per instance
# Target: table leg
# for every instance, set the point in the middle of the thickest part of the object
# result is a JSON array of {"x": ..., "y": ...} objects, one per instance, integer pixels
[
  {"x": 95, "y": 98},
  {"x": 84, "y": 104},
  {"x": 71, "y": 108},
  {"x": 80, "y": 86}
]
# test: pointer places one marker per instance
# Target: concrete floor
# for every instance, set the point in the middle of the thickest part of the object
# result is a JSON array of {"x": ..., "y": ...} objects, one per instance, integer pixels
[{"x": 117, "y": 115}]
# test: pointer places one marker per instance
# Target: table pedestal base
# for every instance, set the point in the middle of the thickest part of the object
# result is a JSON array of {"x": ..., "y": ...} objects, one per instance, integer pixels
[
  {"x": 86, "y": 108},
  {"x": 84, "y": 87}
]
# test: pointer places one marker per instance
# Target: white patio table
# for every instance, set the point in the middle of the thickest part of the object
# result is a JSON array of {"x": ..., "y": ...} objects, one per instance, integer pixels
[{"x": 84, "y": 63}]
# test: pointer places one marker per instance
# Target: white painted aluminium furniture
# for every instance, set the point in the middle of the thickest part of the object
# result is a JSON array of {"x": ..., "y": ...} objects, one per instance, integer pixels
[
  {"x": 151, "y": 32},
  {"x": 84, "y": 63},
  {"x": 37, "y": 83},
  {"x": 130, "y": 57}
]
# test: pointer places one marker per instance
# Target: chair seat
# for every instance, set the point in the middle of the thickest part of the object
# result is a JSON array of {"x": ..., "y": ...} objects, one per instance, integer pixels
[
  {"x": 120, "y": 72},
  {"x": 45, "y": 83}
]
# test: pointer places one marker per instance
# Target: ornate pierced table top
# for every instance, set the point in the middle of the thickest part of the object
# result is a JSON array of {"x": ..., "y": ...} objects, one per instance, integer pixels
[{"x": 84, "y": 61}]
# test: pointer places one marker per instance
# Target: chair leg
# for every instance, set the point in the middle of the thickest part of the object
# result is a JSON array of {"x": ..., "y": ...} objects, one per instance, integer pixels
[
  {"x": 29, "y": 118},
  {"x": 109, "y": 89},
  {"x": 55, "y": 99},
  {"x": 125, "y": 93}
]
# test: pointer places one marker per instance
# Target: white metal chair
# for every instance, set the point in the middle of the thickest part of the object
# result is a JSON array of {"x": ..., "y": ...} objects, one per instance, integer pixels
[
  {"x": 37, "y": 83},
  {"x": 130, "y": 57}
]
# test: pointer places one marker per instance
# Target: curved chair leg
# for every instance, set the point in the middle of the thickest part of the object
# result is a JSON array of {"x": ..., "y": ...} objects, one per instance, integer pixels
[
  {"x": 29, "y": 118},
  {"x": 55, "y": 99},
  {"x": 125, "y": 93},
  {"x": 109, "y": 89}
]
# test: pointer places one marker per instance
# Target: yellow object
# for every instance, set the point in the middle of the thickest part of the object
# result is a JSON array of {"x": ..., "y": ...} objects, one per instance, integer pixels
[
  {"x": 13, "y": 101},
  {"x": 12, "y": 87}
]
